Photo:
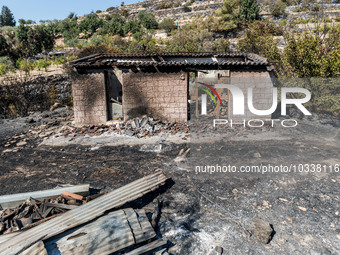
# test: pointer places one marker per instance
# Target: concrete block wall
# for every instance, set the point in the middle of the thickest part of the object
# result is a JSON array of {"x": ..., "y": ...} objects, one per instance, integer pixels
[
  {"x": 163, "y": 95},
  {"x": 262, "y": 86},
  {"x": 89, "y": 99}
]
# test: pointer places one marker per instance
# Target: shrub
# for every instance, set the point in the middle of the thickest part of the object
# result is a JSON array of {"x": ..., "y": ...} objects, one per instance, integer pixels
[
  {"x": 59, "y": 60},
  {"x": 278, "y": 9},
  {"x": 110, "y": 9},
  {"x": 26, "y": 65},
  {"x": 43, "y": 64},
  {"x": 147, "y": 19},
  {"x": 315, "y": 8},
  {"x": 167, "y": 24},
  {"x": 90, "y": 24},
  {"x": 221, "y": 45},
  {"x": 72, "y": 42},
  {"x": 5, "y": 68},
  {"x": 165, "y": 5},
  {"x": 250, "y": 10},
  {"x": 96, "y": 40},
  {"x": 92, "y": 49}
]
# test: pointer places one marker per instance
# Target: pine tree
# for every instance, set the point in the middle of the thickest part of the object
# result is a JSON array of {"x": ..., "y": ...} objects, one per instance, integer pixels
[
  {"x": 6, "y": 17},
  {"x": 250, "y": 9}
]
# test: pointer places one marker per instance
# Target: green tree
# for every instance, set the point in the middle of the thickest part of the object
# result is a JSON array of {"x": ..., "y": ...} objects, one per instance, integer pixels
[
  {"x": 314, "y": 54},
  {"x": 35, "y": 40},
  {"x": 227, "y": 15},
  {"x": 4, "y": 47},
  {"x": 259, "y": 39},
  {"x": 250, "y": 10},
  {"x": 167, "y": 24},
  {"x": 68, "y": 28},
  {"x": 91, "y": 23},
  {"x": 6, "y": 17},
  {"x": 147, "y": 19},
  {"x": 116, "y": 26}
]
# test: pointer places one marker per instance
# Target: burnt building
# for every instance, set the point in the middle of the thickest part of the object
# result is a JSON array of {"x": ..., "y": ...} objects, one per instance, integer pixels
[{"x": 109, "y": 86}]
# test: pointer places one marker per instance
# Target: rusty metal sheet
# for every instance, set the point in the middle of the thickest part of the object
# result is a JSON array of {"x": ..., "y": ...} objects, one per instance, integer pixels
[{"x": 106, "y": 235}]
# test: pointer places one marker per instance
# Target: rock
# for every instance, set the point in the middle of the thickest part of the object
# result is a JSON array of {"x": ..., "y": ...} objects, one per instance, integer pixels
[
  {"x": 157, "y": 148},
  {"x": 262, "y": 230},
  {"x": 129, "y": 133},
  {"x": 257, "y": 155},
  {"x": 30, "y": 120},
  {"x": 235, "y": 191},
  {"x": 219, "y": 250},
  {"x": 55, "y": 106},
  {"x": 302, "y": 208},
  {"x": 22, "y": 143}
]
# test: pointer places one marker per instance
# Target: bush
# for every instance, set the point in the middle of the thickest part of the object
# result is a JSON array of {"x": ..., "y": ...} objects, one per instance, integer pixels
[
  {"x": 92, "y": 49},
  {"x": 72, "y": 42},
  {"x": 315, "y": 8},
  {"x": 96, "y": 40},
  {"x": 43, "y": 64},
  {"x": 147, "y": 19},
  {"x": 278, "y": 9},
  {"x": 5, "y": 68},
  {"x": 168, "y": 25},
  {"x": 59, "y": 60},
  {"x": 259, "y": 39},
  {"x": 221, "y": 45},
  {"x": 98, "y": 11},
  {"x": 26, "y": 65},
  {"x": 165, "y": 5},
  {"x": 90, "y": 24},
  {"x": 35, "y": 40},
  {"x": 110, "y": 9}
]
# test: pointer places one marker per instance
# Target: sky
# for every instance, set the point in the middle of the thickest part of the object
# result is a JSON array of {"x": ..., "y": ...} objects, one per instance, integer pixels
[{"x": 56, "y": 9}]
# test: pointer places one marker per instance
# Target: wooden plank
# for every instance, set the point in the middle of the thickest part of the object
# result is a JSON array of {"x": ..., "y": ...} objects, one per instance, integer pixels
[
  {"x": 106, "y": 235},
  {"x": 70, "y": 196},
  {"x": 10, "y": 201},
  {"x": 148, "y": 247},
  {"x": 83, "y": 214}
]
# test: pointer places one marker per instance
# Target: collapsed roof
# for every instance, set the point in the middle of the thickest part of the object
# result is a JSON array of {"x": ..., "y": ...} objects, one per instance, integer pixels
[{"x": 170, "y": 62}]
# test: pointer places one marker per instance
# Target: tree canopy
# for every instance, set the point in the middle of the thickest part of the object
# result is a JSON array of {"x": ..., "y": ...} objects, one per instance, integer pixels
[{"x": 6, "y": 17}]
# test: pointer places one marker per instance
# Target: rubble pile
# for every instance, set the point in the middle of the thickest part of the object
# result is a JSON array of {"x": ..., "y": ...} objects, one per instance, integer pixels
[
  {"x": 32, "y": 211},
  {"x": 93, "y": 225},
  {"x": 137, "y": 127}
]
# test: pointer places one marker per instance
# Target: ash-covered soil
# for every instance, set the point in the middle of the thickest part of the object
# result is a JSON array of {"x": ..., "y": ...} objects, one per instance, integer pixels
[{"x": 203, "y": 213}]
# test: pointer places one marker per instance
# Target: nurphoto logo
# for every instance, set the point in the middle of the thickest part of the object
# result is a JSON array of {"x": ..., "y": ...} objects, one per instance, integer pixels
[{"x": 238, "y": 104}]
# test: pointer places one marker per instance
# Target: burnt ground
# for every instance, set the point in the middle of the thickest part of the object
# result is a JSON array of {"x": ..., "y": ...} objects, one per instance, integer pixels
[{"x": 201, "y": 210}]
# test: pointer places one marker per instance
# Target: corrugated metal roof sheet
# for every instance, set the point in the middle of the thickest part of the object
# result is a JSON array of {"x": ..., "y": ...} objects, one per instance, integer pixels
[
  {"x": 168, "y": 60},
  {"x": 106, "y": 235}
]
